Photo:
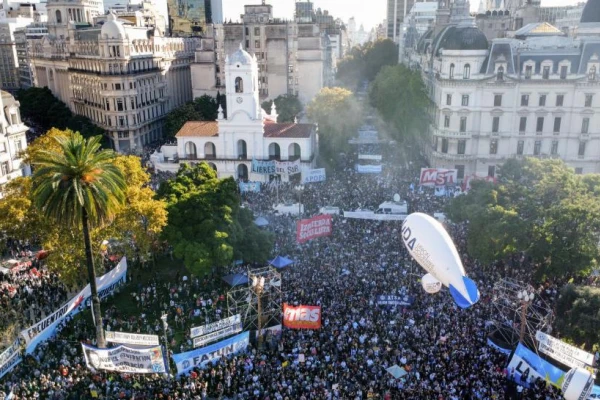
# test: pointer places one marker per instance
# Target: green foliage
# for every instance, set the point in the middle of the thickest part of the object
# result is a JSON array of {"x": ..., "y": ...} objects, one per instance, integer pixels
[
  {"x": 398, "y": 93},
  {"x": 540, "y": 207},
  {"x": 288, "y": 107},
  {"x": 364, "y": 62},
  {"x": 206, "y": 225},
  {"x": 338, "y": 114},
  {"x": 203, "y": 108},
  {"x": 578, "y": 316}
]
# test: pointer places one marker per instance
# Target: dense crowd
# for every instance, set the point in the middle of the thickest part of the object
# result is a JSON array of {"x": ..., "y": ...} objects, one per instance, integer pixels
[{"x": 443, "y": 348}]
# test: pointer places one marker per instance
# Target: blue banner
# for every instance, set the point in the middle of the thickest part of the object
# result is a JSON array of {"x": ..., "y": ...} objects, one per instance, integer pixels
[
  {"x": 394, "y": 300},
  {"x": 526, "y": 363},
  {"x": 249, "y": 187},
  {"x": 368, "y": 169},
  {"x": 500, "y": 349},
  {"x": 199, "y": 358},
  {"x": 263, "y": 167}
]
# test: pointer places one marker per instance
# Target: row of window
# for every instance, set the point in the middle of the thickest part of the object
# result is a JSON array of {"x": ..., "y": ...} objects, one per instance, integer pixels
[
  {"x": 560, "y": 99},
  {"x": 537, "y": 147},
  {"x": 539, "y": 126}
]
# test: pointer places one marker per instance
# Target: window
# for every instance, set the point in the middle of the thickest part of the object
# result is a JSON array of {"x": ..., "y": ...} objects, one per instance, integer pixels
[
  {"x": 463, "y": 124},
  {"x": 557, "y": 121},
  {"x": 563, "y": 72},
  {"x": 495, "y": 124},
  {"x": 446, "y": 121},
  {"x": 462, "y": 146},
  {"x": 239, "y": 85},
  {"x": 257, "y": 44},
  {"x": 524, "y": 100},
  {"x": 539, "y": 126},
  {"x": 257, "y": 31},
  {"x": 579, "y": 171},
  {"x": 451, "y": 74},
  {"x": 581, "y": 151},
  {"x": 592, "y": 74},
  {"x": 467, "y": 71},
  {"x": 585, "y": 125},
  {"x": 465, "y": 100},
  {"x": 247, "y": 31},
  {"x": 119, "y": 105},
  {"x": 522, "y": 124},
  {"x": 444, "y": 145},
  {"x": 494, "y": 146},
  {"x": 117, "y": 86},
  {"x": 247, "y": 43},
  {"x": 460, "y": 171},
  {"x": 497, "y": 100},
  {"x": 4, "y": 167},
  {"x": 500, "y": 74},
  {"x": 491, "y": 171},
  {"x": 560, "y": 99},
  {"x": 528, "y": 71},
  {"x": 554, "y": 148},
  {"x": 542, "y": 100},
  {"x": 588, "y": 100},
  {"x": 18, "y": 145},
  {"x": 537, "y": 147},
  {"x": 546, "y": 72},
  {"x": 2, "y": 147},
  {"x": 520, "y": 146},
  {"x": 449, "y": 99}
]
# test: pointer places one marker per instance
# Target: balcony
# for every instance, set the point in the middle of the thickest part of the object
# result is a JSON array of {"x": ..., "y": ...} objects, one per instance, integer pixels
[{"x": 452, "y": 157}]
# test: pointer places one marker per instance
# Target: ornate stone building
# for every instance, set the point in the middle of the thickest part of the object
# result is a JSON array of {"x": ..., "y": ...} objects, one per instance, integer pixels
[{"x": 12, "y": 140}]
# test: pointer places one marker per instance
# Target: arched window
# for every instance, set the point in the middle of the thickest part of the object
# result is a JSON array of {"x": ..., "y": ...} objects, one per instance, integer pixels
[
  {"x": 209, "y": 150},
  {"x": 451, "y": 74},
  {"x": 467, "y": 71},
  {"x": 274, "y": 152},
  {"x": 294, "y": 152},
  {"x": 213, "y": 166},
  {"x": 239, "y": 85},
  {"x": 242, "y": 150},
  {"x": 500, "y": 73},
  {"x": 242, "y": 172},
  {"x": 592, "y": 73},
  {"x": 58, "y": 17},
  {"x": 190, "y": 151}
]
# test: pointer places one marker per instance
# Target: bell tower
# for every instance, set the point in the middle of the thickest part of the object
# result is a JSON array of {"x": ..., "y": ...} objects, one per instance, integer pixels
[{"x": 241, "y": 85}]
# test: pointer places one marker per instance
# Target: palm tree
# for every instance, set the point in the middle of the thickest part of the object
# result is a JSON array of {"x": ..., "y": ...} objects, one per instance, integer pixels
[{"x": 79, "y": 185}]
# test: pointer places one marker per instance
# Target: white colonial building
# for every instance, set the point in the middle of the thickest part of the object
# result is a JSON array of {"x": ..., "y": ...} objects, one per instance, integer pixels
[
  {"x": 537, "y": 94},
  {"x": 12, "y": 140},
  {"x": 248, "y": 133}
]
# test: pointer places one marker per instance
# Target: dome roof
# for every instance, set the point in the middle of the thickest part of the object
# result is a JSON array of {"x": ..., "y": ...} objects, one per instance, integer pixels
[
  {"x": 461, "y": 38},
  {"x": 591, "y": 12},
  {"x": 424, "y": 41},
  {"x": 240, "y": 57},
  {"x": 112, "y": 29}
]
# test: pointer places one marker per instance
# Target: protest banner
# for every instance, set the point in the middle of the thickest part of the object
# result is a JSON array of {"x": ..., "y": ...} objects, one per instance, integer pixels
[
  {"x": 313, "y": 175},
  {"x": 200, "y": 358},
  {"x": 9, "y": 358},
  {"x": 438, "y": 177},
  {"x": 131, "y": 338},
  {"x": 215, "y": 326},
  {"x": 369, "y": 169},
  {"x": 394, "y": 300},
  {"x": 301, "y": 317},
  {"x": 263, "y": 167},
  {"x": 287, "y": 167},
  {"x": 563, "y": 352},
  {"x": 307, "y": 229},
  {"x": 249, "y": 187},
  {"x": 220, "y": 334},
  {"x": 125, "y": 359}
]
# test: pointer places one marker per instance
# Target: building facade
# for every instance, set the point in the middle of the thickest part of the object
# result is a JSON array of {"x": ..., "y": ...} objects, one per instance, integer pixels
[
  {"x": 248, "y": 133},
  {"x": 124, "y": 77},
  {"x": 12, "y": 140},
  {"x": 535, "y": 95},
  {"x": 293, "y": 58},
  {"x": 397, "y": 10}
]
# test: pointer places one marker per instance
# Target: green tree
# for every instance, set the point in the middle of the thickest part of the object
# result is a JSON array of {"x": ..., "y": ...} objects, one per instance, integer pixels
[
  {"x": 578, "y": 316},
  {"x": 288, "y": 107},
  {"x": 203, "y": 108},
  {"x": 399, "y": 96},
  {"x": 364, "y": 62},
  {"x": 540, "y": 207},
  {"x": 206, "y": 225},
  {"x": 338, "y": 114},
  {"x": 79, "y": 186}
]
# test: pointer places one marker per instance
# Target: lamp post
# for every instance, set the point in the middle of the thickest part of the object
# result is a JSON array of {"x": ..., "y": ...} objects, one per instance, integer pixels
[
  {"x": 163, "y": 318},
  {"x": 258, "y": 285},
  {"x": 300, "y": 189},
  {"x": 526, "y": 297}
]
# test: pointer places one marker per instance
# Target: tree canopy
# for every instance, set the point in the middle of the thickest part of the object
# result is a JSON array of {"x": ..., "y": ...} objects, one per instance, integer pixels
[
  {"x": 399, "y": 95},
  {"x": 339, "y": 115},
  {"x": 578, "y": 316},
  {"x": 364, "y": 62},
  {"x": 288, "y": 107},
  {"x": 540, "y": 207},
  {"x": 206, "y": 225},
  {"x": 203, "y": 108}
]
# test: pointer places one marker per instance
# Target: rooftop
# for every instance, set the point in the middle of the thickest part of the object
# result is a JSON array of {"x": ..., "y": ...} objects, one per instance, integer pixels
[
  {"x": 288, "y": 130},
  {"x": 199, "y": 128}
]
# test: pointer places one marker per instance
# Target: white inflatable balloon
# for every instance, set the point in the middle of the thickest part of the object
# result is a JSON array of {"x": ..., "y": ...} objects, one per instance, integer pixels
[
  {"x": 431, "y": 246},
  {"x": 578, "y": 384},
  {"x": 430, "y": 284}
]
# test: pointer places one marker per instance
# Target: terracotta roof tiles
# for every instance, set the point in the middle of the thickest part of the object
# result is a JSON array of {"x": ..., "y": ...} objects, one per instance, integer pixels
[{"x": 199, "y": 128}]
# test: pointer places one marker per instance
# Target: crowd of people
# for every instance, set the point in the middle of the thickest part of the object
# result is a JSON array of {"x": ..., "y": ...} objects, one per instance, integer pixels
[{"x": 442, "y": 348}]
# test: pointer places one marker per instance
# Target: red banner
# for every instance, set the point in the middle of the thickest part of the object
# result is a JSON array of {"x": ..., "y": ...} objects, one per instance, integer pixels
[
  {"x": 307, "y": 229},
  {"x": 301, "y": 317},
  {"x": 437, "y": 177}
]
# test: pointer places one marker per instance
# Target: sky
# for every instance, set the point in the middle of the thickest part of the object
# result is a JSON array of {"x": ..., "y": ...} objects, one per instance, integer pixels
[{"x": 367, "y": 12}]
